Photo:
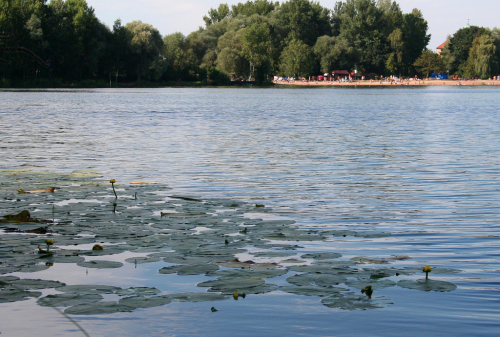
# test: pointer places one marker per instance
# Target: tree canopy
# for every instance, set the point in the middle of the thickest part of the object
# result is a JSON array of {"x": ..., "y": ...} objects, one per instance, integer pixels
[{"x": 252, "y": 39}]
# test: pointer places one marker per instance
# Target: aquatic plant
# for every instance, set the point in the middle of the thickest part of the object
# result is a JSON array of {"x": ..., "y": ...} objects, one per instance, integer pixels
[
  {"x": 49, "y": 243},
  {"x": 113, "y": 181},
  {"x": 427, "y": 270}
]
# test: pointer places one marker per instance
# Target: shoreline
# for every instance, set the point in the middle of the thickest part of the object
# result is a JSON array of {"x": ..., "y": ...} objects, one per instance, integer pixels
[{"x": 374, "y": 83}]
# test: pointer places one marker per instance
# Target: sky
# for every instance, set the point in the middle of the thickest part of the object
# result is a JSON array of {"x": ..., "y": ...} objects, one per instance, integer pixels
[{"x": 445, "y": 17}]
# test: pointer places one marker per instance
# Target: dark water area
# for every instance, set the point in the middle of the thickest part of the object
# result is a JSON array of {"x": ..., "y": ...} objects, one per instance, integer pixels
[{"x": 420, "y": 163}]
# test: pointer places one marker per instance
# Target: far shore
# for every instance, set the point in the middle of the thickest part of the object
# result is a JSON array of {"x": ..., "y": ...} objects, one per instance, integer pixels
[{"x": 369, "y": 83}]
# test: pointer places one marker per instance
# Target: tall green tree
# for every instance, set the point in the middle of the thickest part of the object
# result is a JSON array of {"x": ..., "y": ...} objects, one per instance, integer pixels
[
  {"x": 256, "y": 46},
  {"x": 146, "y": 46},
  {"x": 260, "y": 7},
  {"x": 429, "y": 62},
  {"x": 460, "y": 45},
  {"x": 415, "y": 39},
  {"x": 297, "y": 59},
  {"x": 483, "y": 61},
  {"x": 302, "y": 20},
  {"x": 335, "y": 53},
  {"x": 363, "y": 24}
]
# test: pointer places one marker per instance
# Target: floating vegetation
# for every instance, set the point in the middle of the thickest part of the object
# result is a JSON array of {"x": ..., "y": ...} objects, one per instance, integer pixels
[
  {"x": 428, "y": 285},
  {"x": 190, "y": 235}
]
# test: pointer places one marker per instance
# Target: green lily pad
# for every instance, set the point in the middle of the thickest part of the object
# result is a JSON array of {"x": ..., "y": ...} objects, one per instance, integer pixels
[
  {"x": 145, "y": 302},
  {"x": 68, "y": 299},
  {"x": 427, "y": 285},
  {"x": 11, "y": 294},
  {"x": 190, "y": 269},
  {"x": 197, "y": 297},
  {"x": 100, "y": 264},
  {"x": 312, "y": 290},
  {"x": 232, "y": 284},
  {"x": 374, "y": 283},
  {"x": 97, "y": 308},
  {"x": 33, "y": 268},
  {"x": 36, "y": 284},
  {"x": 249, "y": 273},
  {"x": 322, "y": 256},
  {"x": 88, "y": 289},
  {"x": 356, "y": 302},
  {"x": 140, "y": 291},
  {"x": 368, "y": 235},
  {"x": 273, "y": 254},
  {"x": 140, "y": 260}
]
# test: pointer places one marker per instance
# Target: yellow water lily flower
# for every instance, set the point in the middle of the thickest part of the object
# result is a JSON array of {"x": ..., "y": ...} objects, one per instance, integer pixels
[
  {"x": 427, "y": 270},
  {"x": 98, "y": 247},
  {"x": 112, "y": 181},
  {"x": 49, "y": 242}
]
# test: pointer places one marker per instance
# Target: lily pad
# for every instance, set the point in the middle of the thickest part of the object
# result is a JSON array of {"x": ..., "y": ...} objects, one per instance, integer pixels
[
  {"x": 97, "y": 308},
  {"x": 356, "y": 302},
  {"x": 190, "y": 269},
  {"x": 34, "y": 268},
  {"x": 374, "y": 283},
  {"x": 140, "y": 260},
  {"x": 232, "y": 284},
  {"x": 36, "y": 284},
  {"x": 140, "y": 291},
  {"x": 197, "y": 297},
  {"x": 322, "y": 256},
  {"x": 12, "y": 294},
  {"x": 68, "y": 299},
  {"x": 312, "y": 290},
  {"x": 427, "y": 285},
  {"x": 145, "y": 302},
  {"x": 100, "y": 264},
  {"x": 88, "y": 289}
]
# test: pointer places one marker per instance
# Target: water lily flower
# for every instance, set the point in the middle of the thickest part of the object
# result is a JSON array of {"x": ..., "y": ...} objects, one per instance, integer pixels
[
  {"x": 49, "y": 243},
  {"x": 427, "y": 270},
  {"x": 98, "y": 247},
  {"x": 113, "y": 181}
]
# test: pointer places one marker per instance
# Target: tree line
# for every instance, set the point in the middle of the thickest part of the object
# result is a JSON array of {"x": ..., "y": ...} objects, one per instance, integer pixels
[
  {"x": 472, "y": 52},
  {"x": 253, "y": 39}
]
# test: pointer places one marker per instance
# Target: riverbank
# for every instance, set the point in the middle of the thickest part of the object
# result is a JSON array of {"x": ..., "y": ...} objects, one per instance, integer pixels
[{"x": 371, "y": 83}]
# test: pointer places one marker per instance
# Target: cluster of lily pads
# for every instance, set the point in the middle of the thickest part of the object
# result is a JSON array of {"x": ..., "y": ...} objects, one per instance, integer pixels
[{"x": 193, "y": 236}]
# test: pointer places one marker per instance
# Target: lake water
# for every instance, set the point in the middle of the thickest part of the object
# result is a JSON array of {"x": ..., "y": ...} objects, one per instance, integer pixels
[{"x": 420, "y": 163}]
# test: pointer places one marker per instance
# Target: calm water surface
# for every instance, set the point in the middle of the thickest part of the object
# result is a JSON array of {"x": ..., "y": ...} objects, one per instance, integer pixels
[{"x": 421, "y": 163}]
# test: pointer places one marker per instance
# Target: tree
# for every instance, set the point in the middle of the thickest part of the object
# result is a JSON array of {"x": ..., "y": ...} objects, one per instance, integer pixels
[
  {"x": 460, "y": 45},
  {"x": 415, "y": 39},
  {"x": 335, "y": 53},
  {"x": 256, "y": 45},
  {"x": 363, "y": 24},
  {"x": 429, "y": 62},
  {"x": 216, "y": 15},
  {"x": 146, "y": 46},
  {"x": 394, "y": 62},
  {"x": 260, "y": 7},
  {"x": 482, "y": 61},
  {"x": 302, "y": 20},
  {"x": 297, "y": 59}
]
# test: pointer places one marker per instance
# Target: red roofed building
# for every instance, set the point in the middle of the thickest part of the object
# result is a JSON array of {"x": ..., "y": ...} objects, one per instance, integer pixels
[{"x": 440, "y": 48}]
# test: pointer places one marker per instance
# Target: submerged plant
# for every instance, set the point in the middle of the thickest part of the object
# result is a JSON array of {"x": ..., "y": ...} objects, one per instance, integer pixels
[{"x": 427, "y": 270}]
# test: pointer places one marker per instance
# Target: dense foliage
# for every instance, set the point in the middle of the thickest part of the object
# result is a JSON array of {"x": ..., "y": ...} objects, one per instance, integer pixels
[{"x": 255, "y": 39}]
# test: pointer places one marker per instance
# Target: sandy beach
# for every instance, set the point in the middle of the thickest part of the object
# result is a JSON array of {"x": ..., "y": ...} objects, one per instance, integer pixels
[{"x": 370, "y": 83}]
